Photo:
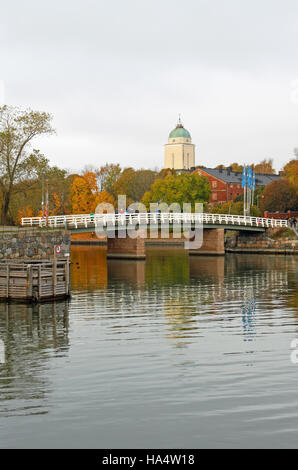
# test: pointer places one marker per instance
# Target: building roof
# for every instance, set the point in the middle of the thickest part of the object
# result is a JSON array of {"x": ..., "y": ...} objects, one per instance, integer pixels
[
  {"x": 229, "y": 176},
  {"x": 179, "y": 131}
]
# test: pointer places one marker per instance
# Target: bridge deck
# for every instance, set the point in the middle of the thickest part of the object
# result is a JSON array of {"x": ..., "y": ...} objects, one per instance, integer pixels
[{"x": 88, "y": 222}]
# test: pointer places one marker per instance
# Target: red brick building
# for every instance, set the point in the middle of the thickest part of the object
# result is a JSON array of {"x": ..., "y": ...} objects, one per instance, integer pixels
[{"x": 226, "y": 184}]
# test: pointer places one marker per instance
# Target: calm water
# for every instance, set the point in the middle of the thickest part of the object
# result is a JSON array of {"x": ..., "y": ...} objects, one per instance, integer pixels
[{"x": 172, "y": 352}]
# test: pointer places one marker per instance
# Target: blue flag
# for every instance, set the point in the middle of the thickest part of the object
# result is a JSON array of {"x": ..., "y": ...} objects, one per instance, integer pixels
[
  {"x": 243, "y": 183},
  {"x": 253, "y": 180},
  {"x": 249, "y": 177}
]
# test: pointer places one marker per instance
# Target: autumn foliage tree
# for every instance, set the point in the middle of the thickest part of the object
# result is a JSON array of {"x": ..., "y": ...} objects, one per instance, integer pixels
[
  {"x": 83, "y": 193},
  {"x": 290, "y": 171},
  {"x": 279, "y": 196},
  {"x": 265, "y": 167},
  {"x": 234, "y": 208},
  {"x": 104, "y": 197}
]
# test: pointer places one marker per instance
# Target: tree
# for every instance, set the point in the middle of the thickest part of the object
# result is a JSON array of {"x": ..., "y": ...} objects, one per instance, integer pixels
[
  {"x": 184, "y": 188},
  {"x": 220, "y": 167},
  {"x": 105, "y": 197},
  {"x": 165, "y": 172},
  {"x": 25, "y": 212},
  {"x": 234, "y": 208},
  {"x": 28, "y": 192},
  {"x": 265, "y": 167},
  {"x": 279, "y": 196},
  {"x": 83, "y": 193},
  {"x": 236, "y": 167},
  {"x": 108, "y": 176},
  {"x": 290, "y": 171},
  {"x": 17, "y": 130},
  {"x": 134, "y": 183}
]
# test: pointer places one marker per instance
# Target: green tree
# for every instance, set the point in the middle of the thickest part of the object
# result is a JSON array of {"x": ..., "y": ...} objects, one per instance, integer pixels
[
  {"x": 134, "y": 183},
  {"x": 28, "y": 193},
  {"x": 184, "y": 188},
  {"x": 17, "y": 130}
]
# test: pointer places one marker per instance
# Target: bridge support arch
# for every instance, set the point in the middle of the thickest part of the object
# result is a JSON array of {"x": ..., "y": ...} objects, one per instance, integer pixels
[{"x": 213, "y": 243}]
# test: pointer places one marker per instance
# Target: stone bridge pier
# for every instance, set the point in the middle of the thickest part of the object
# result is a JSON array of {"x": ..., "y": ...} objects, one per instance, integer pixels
[
  {"x": 122, "y": 246},
  {"x": 213, "y": 243}
]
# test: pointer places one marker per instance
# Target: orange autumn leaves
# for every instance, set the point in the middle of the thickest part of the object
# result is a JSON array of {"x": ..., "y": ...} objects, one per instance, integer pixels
[
  {"x": 291, "y": 172},
  {"x": 85, "y": 195},
  {"x": 82, "y": 197}
]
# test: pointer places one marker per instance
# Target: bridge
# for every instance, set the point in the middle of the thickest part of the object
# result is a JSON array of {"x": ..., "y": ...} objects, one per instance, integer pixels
[
  {"x": 89, "y": 222},
  {"x": 150, "y": 224}
]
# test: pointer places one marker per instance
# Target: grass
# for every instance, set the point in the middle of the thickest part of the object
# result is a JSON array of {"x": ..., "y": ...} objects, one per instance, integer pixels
[{"x": 283, "y": 232}]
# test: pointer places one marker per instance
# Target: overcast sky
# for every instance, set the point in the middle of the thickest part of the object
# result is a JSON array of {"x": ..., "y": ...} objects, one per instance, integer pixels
[{"x": 115, "y": 74}]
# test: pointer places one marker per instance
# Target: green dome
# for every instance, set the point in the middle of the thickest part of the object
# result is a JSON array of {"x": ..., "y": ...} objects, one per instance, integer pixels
[{"x": 179, "y": 132}]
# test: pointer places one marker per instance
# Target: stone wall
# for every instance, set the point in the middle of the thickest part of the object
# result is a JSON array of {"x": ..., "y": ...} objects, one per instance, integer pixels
[
  {"x": 261, "y": 243},
  {"x": 36, "y": 244}
]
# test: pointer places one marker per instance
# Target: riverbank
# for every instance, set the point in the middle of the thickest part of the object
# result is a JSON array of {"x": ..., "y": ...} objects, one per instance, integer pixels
[{"x": 281, "y": 241}]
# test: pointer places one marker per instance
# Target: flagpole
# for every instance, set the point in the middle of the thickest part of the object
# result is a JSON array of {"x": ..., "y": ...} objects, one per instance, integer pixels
[
  {"x": 253, "y": 186},
  {"x": 244, "y": 189}
]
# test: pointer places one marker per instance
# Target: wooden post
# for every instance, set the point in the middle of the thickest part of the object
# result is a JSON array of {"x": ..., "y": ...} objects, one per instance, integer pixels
[
  {"x": 39, "y": 282},
  {"x": 29, "y": 282},
  {"x": 54, "y": 276},
  {"x": 7, "y": 280},
  {"x": 66, "y": 277}
]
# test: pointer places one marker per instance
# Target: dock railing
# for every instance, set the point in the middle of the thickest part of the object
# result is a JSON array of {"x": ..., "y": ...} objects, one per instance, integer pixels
[{"x": 26, "y": 280}]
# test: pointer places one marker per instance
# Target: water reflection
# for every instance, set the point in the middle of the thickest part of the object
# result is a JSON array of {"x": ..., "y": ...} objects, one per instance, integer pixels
[
  {"x": 248, "y": 315},
  {"x": 129, "y": 272},
  {"x": 206, "y": 268},
  {"x": 184, "y": 288},
  {"x": 197, "y": 348},
  {"x": 89, "y": 268},
  {"x": 32, "y": 335}
]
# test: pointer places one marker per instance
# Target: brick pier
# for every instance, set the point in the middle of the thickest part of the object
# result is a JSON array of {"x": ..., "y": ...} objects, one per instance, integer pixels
[
  {"x": 126, "y": 248},
  {"x": 213, "y": 243}
]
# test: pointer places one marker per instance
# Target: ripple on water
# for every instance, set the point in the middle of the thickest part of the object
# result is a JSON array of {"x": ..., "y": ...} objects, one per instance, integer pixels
[{"x": 171, "y": 352}]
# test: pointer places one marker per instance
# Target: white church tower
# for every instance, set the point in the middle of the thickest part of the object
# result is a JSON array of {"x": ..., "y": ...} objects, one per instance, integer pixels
[{"x": 179, "y": 151}]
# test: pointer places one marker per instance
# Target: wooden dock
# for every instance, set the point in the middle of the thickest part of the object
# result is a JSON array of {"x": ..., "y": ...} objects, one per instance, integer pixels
[{"x": 34, "y": 281}]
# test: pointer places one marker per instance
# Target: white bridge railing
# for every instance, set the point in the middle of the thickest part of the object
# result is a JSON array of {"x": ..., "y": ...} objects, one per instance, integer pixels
[{"x": 103, "y": 220}]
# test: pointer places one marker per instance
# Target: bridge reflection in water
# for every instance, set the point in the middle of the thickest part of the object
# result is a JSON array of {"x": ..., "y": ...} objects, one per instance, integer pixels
[
  {"x": 200, "y": 342},
  {"x": 183, "y": 287}
]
